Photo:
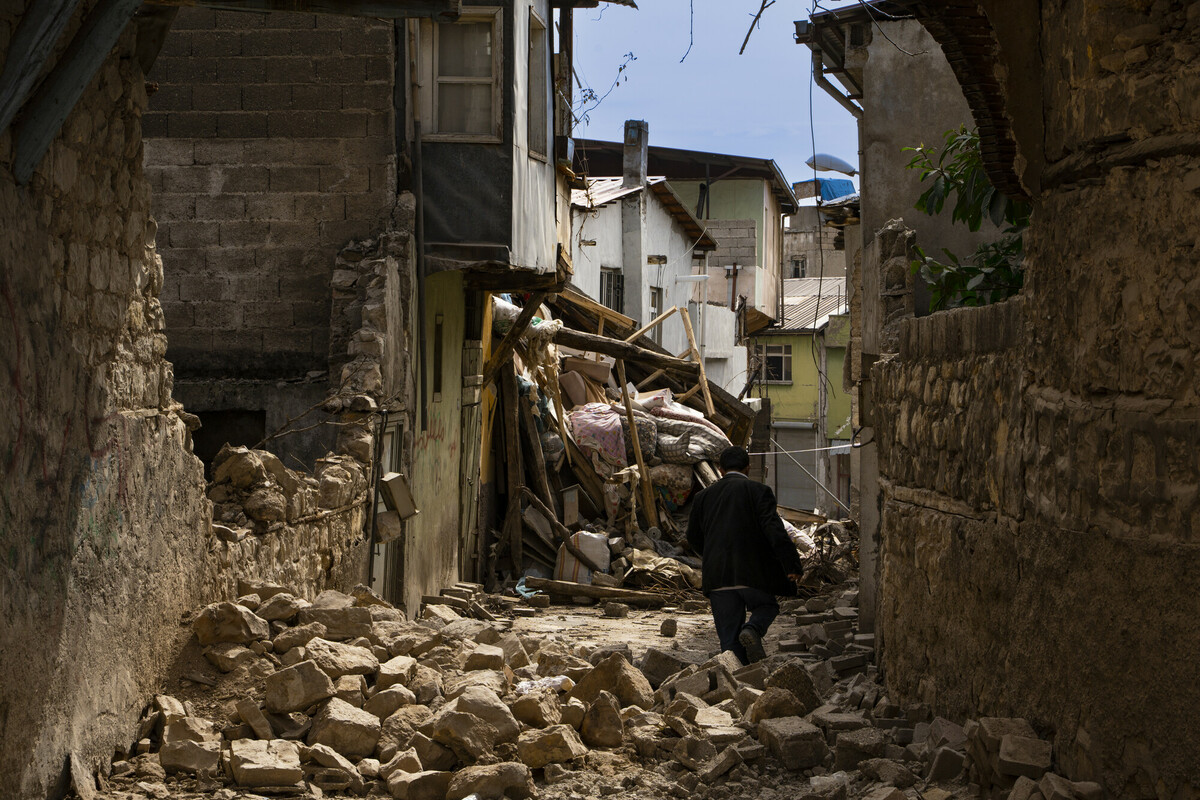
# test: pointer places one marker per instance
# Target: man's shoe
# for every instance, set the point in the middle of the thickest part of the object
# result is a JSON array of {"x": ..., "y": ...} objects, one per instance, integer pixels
[{"x": 750, "y": 640}]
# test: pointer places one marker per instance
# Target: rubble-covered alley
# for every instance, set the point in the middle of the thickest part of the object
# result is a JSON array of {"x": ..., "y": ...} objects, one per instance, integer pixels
[{"x": 357, "y": 402}]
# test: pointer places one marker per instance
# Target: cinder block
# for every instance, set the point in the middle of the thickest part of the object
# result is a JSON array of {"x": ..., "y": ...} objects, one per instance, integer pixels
[
  {"x": 216, "y": 43},
  {"x": 193, "y": 234},
  {"x": 242, "y": 124},
  {"x": 192, "y": 125},
  {"x": 220, "y": 207},
  {"x": 316, "y": 97},
  {"x": 297, "y": 69},
  {"x": 295, "y": 179},
  {"x": 267, "y": 97},
  {"x": 243, "y": 179},
  {"x": 218, "y": 151},
  {"x": 244, "y": 233}
]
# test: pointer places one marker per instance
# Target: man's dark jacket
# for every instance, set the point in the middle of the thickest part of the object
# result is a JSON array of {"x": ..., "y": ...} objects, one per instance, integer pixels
[{"x": 735, "y": 527}]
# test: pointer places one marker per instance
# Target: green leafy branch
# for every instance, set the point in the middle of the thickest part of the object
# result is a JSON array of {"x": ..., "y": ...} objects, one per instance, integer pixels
[{"x": 993, "y": 272}]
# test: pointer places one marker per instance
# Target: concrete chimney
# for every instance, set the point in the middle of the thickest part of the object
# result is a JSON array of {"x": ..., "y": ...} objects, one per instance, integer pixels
[{"x": 637, "y": 138}]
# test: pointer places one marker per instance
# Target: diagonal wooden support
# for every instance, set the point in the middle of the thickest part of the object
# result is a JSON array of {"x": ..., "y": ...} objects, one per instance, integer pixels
[
  {"x": 650, "y": 509},
  {"x": 43, "y": 116},
  {"x": 659, "y": 320},
  {"x": 509, "y": 343},
  {"x": 708, "y": 403},
  {"x": 31, "y": 47}
]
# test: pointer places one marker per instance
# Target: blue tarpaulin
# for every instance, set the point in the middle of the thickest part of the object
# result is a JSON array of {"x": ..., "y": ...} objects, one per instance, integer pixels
[{"x": 833, "y": 188}]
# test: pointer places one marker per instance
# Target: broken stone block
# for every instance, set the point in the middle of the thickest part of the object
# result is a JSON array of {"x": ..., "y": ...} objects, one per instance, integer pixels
[
  {"x": 352, "y": 689},
  {"x": 658, "y": 665},
  {"x": 539, "y": 709},
  {"x": 432, "y": 754},
  {"x": 190, "y": 729},
  {"x": 555, "y": 744},
  {"x": 439, "y": 616},
  {"x": 668, "y": 627},
  {"x": 426, "y": 684},
  {"x": 404, "y": 761},
  {"x": 348, "y": 730},
  {"x": 337, "y": 658},
  {"x": 773, "y": 703},
  {"x": 483, "y": 704},
  {"x": 283, "y": 606},
  {"x": 427, "y": 785},
  {"x": 384, "y": 704},
  {"x": 793, "y": 677},
  {"x": 1023, "y": 789},
  {"x": 616, "y": 610},
  {"x": 854, "y": 747},
  {"x": 491, "y": 782},
  {"x": 229, "y": 622},
  {"x": 1055, "y": 787},
  {"x": 515, "y": 655},
  {"x": 468, "y": 736},
  {"x": 328, "y": 757},
  {"x": 944, "y": 733},
  {"x": 796, "y": 743},
  {"x": 1021, "y": 755},
  {"x": 602, "y": 725},
  {"x": 888, "y": 771},
  {"x": 694, "y": 752},
  {"x": 298, "y": 636},
  {"x": 485, "y": 656},
  {"x": 398, "y": 728},
  {"x": 252, "y": 715},
  {"x": 296, "y": 688},
  {"x": 993, "y": 729},
  {"x": 885, "y": 793},
  {"x": 727, "y": 760},
  {"x": 616, "y": 675},
  {"x": 397, "y": 670},
  {"x": 573, "y": 712},
  {"x": 745, "y": 698},
  {"x": 261, "y": 763},
  {"x": 227, "y": 656},
  {"x": 946, "y": 765},
  {"x": 340, "y": 623},
  {"x": 189, "y": 755}
]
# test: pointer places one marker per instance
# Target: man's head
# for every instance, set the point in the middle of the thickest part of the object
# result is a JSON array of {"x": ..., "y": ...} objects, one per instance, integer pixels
[{"x": 734, "y": 459}]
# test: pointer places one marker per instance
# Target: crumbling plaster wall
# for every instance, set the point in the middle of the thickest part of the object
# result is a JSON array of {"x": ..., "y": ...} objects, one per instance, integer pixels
[{"x": 1040, "y": 485}]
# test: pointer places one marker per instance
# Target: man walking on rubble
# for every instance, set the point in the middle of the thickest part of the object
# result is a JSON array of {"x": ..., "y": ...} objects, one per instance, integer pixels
[{"x": 748, "y": 557}]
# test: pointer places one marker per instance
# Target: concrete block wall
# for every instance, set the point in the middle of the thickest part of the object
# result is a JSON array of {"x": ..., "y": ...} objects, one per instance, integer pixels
[
  {"x": 736, "y": 242},
  {"x": 270, "y": 144}
]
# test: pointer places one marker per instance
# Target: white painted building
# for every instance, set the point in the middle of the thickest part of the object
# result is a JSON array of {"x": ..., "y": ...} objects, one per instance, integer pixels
[{"x": 633, "y": 246}]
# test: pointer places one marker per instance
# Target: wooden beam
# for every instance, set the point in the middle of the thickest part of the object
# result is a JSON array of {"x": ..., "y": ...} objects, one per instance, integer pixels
[
  {"x": 537, "y": 458},
  {"x": 658, "y": 373},
  {"x": 659, "y": 320},
  {"x": 563, "y": 533},
  {"x": 514, "y": 478},
  {"x": 570, "y": 589},
  {"x": 623, "y": 350},
  {"x": 30, "y": 49},
  {"x": 650, "y": 508},
  {"x": 43, "y": 116},
  {"x": 691, "y": 336},
  {"x": 438, "y": 10},
  {"x": 504, "y": 350},
  {"x": 588, "y": 479}
]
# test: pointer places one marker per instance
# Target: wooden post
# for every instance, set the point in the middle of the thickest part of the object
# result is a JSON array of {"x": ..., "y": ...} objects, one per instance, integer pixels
[
  {"x": 657, "y": 321},
  {"x": 600, "y": 332},
  {"x": 687, "y": 327},
  {"x": 650, "y": 509},
  {"x": 509, "y": 343},
  {"x": 514, "y": 476},
  {"x": 538, "y": 458}
]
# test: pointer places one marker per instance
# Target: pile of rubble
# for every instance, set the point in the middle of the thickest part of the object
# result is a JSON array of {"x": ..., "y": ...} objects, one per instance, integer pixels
[{"x": 344, "y": 696}]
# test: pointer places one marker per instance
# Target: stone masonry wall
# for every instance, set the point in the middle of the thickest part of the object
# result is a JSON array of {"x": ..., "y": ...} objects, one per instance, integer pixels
[
  {"x": 103, "y": 519},
  {"x": 270, "y": 144}
]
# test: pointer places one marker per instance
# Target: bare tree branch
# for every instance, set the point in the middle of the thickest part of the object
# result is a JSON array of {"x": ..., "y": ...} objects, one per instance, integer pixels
[{"x": 754, "y": 23}]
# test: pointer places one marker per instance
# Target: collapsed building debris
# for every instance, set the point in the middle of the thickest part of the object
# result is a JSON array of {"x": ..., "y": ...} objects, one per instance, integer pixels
[
  {"x": 605, "y": 438},
  {"x": 344, "y": 696}
]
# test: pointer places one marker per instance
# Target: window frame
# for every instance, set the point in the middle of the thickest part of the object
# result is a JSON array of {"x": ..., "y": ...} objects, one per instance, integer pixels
[
  {"x": 785, "y": 354},
  {"x": 656, "y": 293},
  {"x": 542, "y": 154},
  {"x": 432, "y": 132},
  {"x": 617, "y": 275}
]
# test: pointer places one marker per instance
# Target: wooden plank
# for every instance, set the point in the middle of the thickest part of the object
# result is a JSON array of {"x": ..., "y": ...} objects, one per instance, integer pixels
[
  {"x": 43, "y": 115},
  {"x": 622, "y": 350},
  {"x": 508, "y": 344},
  {"x": 563, "y": 533},
  {"x": 649, "y": 508},
  {"x": 658, "y": 373},
  {"x": 29, "y": 50},
  {"x": 572, "y": 295},
  {"x": 533, "y": 446},
  {"x": 659, "y": 320},
  {"x": 691, "y": 336},
  {"x": 582, "y": 468},
  {"x": 512, "y": 450},
  {"x": 570, "y": 589},
  {"x": 439, "y": 10}
]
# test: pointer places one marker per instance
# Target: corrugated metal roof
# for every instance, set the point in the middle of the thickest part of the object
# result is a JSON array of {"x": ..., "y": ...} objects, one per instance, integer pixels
[
  {"x": 602, "y": 191},
  {"x": 804, "y": 309}
]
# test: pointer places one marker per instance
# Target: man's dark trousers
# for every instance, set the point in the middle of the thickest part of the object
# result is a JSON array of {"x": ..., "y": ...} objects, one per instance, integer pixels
[{"x": 729, "y": 607}]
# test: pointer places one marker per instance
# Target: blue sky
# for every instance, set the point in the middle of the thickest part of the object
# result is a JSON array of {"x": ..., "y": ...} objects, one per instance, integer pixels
[{"x": 755, "y": 104}]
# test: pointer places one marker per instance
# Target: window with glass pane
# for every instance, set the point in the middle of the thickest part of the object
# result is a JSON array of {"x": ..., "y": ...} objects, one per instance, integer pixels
[
  {"x": 538, "y": 97},
  {"x": 466, "y": 77},
  {"x": 656, "y": 308},
  {"x": 776, "y": 360},
  {"x": 612, "y": 289}
]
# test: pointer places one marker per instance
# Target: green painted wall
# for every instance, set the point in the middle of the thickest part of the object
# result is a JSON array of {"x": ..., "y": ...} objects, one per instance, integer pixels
[
  {"x": 731, "y": 199},
  {"x": 838, "y": 411},
  {"x": 798, "y": 400}
]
